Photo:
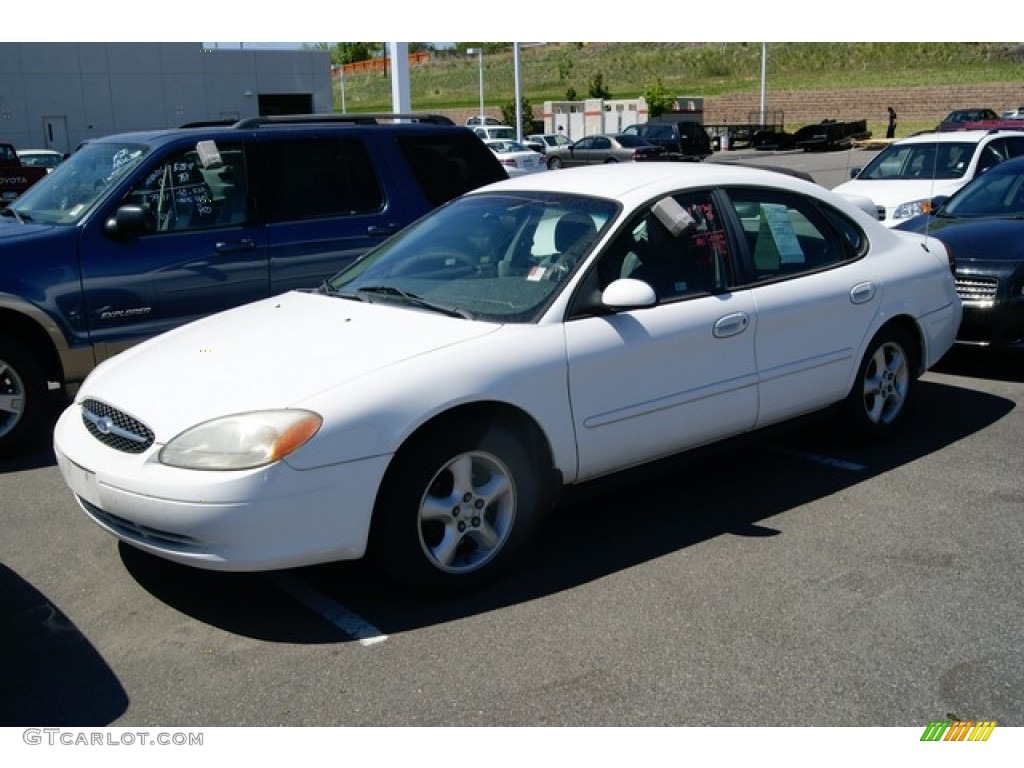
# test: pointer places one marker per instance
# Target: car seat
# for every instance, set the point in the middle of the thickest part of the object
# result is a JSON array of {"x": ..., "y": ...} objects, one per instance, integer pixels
[
  {"x": 573, "y": 234},
  {"x": 671, "y": 265}
]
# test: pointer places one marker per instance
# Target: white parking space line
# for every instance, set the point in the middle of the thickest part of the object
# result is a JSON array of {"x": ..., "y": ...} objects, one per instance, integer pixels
[
  {"x": 350, "y": 623},
  {"x": 818, "y": 458}
]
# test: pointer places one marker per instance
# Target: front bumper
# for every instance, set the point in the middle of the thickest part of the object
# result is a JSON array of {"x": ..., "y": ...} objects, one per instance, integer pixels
[{"x": 253, "y": 520}]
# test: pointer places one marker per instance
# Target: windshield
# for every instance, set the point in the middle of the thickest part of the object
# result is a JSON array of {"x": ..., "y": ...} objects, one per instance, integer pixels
[
  {"x": 936, "y": 160},
  {"x": 558, "y": 140},
  {"x": 77, "y": 185},
  {"x": 499, "y": 257},
  {"x": 999, "y": 193},
  {"x": 508, "y": 146}
]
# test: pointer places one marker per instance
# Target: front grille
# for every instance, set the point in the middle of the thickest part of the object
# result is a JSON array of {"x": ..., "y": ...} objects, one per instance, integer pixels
[
  {"x": 979, "y": 289},
  {"x": 115, "y": 428},
  {"x": 141, "y": 533}
]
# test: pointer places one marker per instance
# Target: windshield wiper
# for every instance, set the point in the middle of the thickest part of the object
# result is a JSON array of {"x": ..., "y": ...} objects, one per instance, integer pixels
[
  {"x": 21, "y": 217},
  {"x": 412, "y": 298}
]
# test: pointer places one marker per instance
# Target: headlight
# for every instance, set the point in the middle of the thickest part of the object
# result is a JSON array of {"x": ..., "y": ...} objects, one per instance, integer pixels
[
  {"x": 911, "y": 209},
  {"x": 241, "y": 441}
]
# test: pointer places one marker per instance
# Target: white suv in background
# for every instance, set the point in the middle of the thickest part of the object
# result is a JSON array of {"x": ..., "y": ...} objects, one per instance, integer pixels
[
  {"x": 906, "y": 176},
  {"x": 487, "y": 132}
]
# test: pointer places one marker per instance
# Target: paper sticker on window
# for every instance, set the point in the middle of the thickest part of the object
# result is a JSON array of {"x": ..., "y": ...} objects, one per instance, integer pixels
[{"x": 777, "y": 242}]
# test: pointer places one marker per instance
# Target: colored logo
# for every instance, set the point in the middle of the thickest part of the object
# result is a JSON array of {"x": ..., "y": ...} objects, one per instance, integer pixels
[{"x": 958, "y": 730}]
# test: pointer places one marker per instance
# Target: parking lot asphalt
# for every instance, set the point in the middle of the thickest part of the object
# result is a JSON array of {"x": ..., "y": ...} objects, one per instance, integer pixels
[{"x": 797, "y": 581}]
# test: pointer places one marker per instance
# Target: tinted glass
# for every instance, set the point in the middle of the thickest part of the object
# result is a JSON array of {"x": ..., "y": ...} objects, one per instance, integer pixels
[
  {"x": 450, "y": 165},
  {"x": 311, "y": 178}
]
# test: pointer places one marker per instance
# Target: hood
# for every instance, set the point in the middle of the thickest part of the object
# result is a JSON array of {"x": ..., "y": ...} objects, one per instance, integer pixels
[
  {"x": 274, "y": 353},
  {"x": 990, "y": 240},
  {"x": 891, "y": 193},
  {"x": 12, "y": 230}
]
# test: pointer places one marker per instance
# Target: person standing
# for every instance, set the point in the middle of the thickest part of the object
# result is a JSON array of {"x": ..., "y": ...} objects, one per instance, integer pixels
[{"x": 890, "y": 132}]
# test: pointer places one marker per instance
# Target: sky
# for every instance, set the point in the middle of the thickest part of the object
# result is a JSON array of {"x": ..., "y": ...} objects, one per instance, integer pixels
[{"x": 310, "y": 20}]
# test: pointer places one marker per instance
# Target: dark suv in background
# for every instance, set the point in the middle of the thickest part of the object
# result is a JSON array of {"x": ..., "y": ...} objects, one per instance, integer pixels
[
  {"x": 135, "y": 234},
  {"x": 681, "y": 139}
]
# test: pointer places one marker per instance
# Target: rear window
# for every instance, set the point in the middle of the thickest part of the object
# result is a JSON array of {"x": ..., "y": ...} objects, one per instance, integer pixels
[{"x": 450, "y": 165}]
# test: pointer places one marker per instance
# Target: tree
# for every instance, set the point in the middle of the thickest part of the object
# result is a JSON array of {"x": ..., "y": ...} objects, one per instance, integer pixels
[
  {"x": 508, "y": 114},
  {"x": 659, "y": 99},
  {"x": 597, "y": 87},
  {"x": 347, "y": 53}
]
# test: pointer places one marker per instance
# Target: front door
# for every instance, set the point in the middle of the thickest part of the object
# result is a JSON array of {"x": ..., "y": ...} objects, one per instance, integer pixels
[{"x": 200, "y": 253}]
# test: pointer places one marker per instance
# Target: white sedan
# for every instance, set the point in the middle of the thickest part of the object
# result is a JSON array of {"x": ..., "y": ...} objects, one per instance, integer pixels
[
  {"x": 517, "y": 159},
  {"x": 428, "y": 405}
]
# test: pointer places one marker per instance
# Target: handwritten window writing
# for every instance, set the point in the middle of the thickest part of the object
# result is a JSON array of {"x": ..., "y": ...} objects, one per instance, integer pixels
[
  {"x": 683, "y": 257},
  {"x": 180, "y": 194}
]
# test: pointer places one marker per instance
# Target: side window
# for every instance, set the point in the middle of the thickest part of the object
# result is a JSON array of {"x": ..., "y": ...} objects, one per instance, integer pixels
[
  {"x": 448, "y": 165},
  {"x": 678, "y": 246},
  {"x": 314, "y": 178},
  {"x": 189, "y": 191},
  {"x": 992, "y": 154},
  {"x": 788, "y": 234}
]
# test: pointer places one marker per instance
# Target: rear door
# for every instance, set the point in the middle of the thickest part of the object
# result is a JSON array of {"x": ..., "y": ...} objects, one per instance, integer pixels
[
  {"x": 329, "y": 198},
  {"x": 814, "y": 296},
  {"x": 324, "y": 204}
]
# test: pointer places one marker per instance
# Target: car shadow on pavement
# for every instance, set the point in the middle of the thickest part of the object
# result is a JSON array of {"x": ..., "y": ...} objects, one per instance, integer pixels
[
  {"x": 663, "y": 510},
  {"x": 52, "y": 675},
  {"x": 983, "y": 363},
  {"x": 39, "y": 451}
]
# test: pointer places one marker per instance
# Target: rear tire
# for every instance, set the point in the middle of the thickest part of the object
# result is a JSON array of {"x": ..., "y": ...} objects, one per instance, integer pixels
[
  {"x": 877, "y": 404},
  {"x": 457, "y": 507},
  {"x": 554, "y": 163},
  {"x": 23, "y": 397}
]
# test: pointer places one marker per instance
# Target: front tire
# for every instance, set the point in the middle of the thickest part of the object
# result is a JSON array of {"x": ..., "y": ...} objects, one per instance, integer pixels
[
  {"x": 23, "y": 397},
  {"x": 878, "y": 401},
  {"x": 457, "y": 507}
]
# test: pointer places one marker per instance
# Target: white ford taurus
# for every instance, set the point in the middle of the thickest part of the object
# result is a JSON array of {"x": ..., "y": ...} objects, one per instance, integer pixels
[{"x": 427, "y": 405}]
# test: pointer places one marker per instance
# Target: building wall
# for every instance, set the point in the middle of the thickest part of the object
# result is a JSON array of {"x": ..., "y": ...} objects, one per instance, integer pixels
[
  {"x": 799, "y": 108},
  {"x": 56, "y": 95},
  {"x": 911, "y": 104}
]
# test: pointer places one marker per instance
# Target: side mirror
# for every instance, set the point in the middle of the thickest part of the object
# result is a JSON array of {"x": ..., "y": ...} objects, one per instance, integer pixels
[
  {"x": 628, "y": 293},
  {"x": 127, "y": 222},
  {"x": 855, "y": 172}
]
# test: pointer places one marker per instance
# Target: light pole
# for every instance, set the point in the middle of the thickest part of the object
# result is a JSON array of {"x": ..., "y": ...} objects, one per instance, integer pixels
[{"x": 480, "y": 57}]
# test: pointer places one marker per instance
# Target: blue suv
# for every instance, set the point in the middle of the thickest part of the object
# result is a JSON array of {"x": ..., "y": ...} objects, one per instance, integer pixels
[{"x": 138, "y": 233}]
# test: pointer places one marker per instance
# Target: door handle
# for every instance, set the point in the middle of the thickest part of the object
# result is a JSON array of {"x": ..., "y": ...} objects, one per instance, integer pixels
[
  {"x": 245, "y": 244},
  {"x": 382, "y": 230},
  {"x": 731, "y": 325},
  {"x": 862, "y": 293}
]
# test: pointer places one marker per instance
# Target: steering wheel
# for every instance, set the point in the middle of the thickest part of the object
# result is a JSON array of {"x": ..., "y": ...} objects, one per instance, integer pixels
[{"x": 437, "y": 260}]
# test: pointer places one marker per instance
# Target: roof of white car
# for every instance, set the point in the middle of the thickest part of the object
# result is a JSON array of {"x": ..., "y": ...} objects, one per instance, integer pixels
[
  {"x": 622, "y": 180},
  {"x": 972, "y": 136}
]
